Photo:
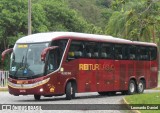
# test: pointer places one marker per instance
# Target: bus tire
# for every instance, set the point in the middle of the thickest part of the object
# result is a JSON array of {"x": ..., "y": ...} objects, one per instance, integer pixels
[
  {"x": 73, "y": 91},
  {"x": 140, "y": 86},
  {"x": 70, "y": 91},
  {"x": 37, "y": 97},
  {"x": 131, "y": 87}
]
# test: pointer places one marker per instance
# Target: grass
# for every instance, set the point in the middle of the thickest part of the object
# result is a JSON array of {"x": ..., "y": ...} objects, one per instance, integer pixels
[
  {"x": 150, "y": 98},
  {"x": 147, "y": 98},
  {"x": 159, "y": 79}
]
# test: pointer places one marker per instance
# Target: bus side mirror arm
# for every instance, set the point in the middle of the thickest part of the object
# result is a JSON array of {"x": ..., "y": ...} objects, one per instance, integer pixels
[
  {"x": 45, "y": 52},
  {"x": 7, "y": 51}
]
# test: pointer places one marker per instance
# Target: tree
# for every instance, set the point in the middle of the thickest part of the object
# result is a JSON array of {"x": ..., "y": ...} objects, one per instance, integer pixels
[
  {"x": 62, "y": 18},
  {"x": 13, "y": 20},
  {"x": 90, "y": 10},
  {"x": 13, "y": 23},
  {"x": 135, "y": 20}
]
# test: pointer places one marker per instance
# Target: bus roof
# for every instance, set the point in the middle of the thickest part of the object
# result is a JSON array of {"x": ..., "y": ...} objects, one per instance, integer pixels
[{"x": 49, "y": 36}]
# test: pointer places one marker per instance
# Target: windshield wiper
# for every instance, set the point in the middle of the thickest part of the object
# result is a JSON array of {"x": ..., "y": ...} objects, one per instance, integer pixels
[{"x": 20, "y": 66}]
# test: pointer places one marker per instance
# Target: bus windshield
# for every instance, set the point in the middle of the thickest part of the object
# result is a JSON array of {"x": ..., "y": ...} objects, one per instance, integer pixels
[{"x": 26, "y": 61}]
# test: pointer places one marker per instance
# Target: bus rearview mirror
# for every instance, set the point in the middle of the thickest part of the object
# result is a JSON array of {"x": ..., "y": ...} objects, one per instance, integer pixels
[
  {"x": 3, "y": 55},
  {"x": 45, "y": 52}
]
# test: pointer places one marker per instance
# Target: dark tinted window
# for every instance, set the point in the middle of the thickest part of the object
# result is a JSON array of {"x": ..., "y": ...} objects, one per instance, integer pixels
[
  {"x": 76, "y": 50},
  {"x": 55, "y": 56},
  {"x": 107, "y": 51},
  {"x": 61, "y": 47},
  {"x": 121, "y": 52},
  {"x": 153, "y": 53},
  {"x": 132, "y": 52},
  {"x": 91, "y": 50},
  {"x": 143, "y": 53}
]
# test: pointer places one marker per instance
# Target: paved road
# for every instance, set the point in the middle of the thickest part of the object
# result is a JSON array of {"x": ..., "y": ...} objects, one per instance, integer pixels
[{"x": 83, "y": 98}]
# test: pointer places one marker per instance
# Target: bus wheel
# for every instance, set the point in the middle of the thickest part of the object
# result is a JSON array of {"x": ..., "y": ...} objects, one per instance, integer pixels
[
  {"x": 140, "y": 86},
  {"x": 132, "y": 87},
  {"x": 37, "y": 97},
  {"x": 73, "y": 90},
  {"x": 70, "y": 91}
]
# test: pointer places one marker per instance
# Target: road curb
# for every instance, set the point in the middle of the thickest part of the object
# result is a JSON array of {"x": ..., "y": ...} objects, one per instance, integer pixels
[
  {"x": 125, "y": 102},
  {"x": 3, "y": 89}
]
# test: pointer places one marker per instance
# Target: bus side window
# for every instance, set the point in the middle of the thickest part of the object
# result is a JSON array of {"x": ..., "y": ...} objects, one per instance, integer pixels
[
  {"x": 92, "y": 50},
  {"x": 75, "y": 50},
  {"x": 125, "y": 55},
  {"x": 61, "y": 44},
  {"x": 53, "y": 60},
  {"x": 143, "y": 53},
  {"x": 55, "y": 56},
  {"x": 61, "y": 47},
  {"x": 106, "y": 51},
  {"x": 118, "y": 52},
  {"x": 153, "y": 53},
  {"x": 132, "y": 53}
]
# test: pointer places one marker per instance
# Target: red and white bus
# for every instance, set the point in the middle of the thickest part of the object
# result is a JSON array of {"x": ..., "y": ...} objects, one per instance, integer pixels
[{"x": 58, "y": 63}]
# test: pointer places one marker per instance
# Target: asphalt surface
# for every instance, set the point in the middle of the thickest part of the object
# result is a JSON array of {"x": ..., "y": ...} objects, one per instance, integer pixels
[{"x": 81, "y": 98}]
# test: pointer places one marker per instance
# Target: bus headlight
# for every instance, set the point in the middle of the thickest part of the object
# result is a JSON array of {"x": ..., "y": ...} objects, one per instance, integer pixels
[{"x": 41, "y": 90}]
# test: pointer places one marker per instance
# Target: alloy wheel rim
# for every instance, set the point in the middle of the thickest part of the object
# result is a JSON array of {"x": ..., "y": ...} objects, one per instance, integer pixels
[
  {"x": 140, "y": 87},
  {"x": 132, "y": 87}
]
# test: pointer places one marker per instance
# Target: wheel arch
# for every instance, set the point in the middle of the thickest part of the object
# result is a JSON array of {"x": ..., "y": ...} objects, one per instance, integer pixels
[
  {"x": 73, "y": 82},
  {"x": 144, "y": 80},
  {"x": 132, "y": 86},
  {"x": 134, "y": 79}
]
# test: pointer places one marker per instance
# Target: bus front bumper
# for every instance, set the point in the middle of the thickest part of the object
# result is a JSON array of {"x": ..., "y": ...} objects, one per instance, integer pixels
[{"x": 36, "y": 88}]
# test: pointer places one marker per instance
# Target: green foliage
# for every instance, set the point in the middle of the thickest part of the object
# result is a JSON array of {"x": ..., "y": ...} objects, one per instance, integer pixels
[
  {"x": 90, "y": 10},
  {"x": 62, "y": 18},
  {"x": 104, "y": 3},
  {"x": 136, "y": 20},
  {"x": 39, "y": 19},
  {"x": 48, "y": 15},
  {"x": 12, "y": 21}
]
